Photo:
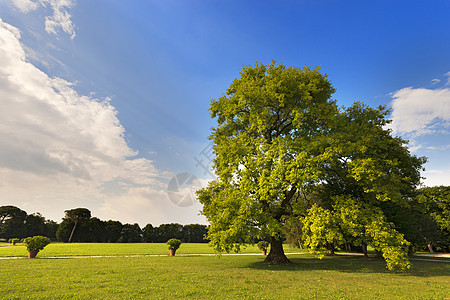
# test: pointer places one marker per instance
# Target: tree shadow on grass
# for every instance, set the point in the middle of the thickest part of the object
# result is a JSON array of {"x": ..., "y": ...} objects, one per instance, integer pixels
[{"x": 354, "y": 264}]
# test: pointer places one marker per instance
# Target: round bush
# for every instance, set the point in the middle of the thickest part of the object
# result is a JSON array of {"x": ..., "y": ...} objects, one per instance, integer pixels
[
  {"x": 36, "y": 243},
  {"x": 174, "y": 244}
]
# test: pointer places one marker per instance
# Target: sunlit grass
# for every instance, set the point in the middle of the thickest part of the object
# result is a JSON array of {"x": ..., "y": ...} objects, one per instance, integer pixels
[
  {"x": 117, "y": 249},
  {"x": 210, "y": 277}
]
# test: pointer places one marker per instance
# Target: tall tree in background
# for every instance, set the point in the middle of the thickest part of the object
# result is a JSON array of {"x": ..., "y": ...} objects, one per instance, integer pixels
[
  {"x": 12, "y": 222},
  {"x": 113, "y": 230},
  {"x": 77, "y": 215},
  {"x": 269, "y": 124},
  {"x": 436, "y": 203}
]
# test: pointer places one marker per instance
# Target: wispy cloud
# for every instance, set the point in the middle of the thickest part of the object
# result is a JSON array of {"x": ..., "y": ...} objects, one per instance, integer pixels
[
  {"x": 25, "y": 6},
  {"x": 448, "y": 77},
  {"x": 60, "y": 17},
  {"x": 60, "y": 149},
  {"x": 435, "y": 81}
]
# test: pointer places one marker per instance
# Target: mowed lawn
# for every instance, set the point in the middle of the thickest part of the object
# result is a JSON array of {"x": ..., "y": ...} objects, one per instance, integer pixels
[
  {"x": 116, "y": 249},
  {"x": 211, "y": 277}
]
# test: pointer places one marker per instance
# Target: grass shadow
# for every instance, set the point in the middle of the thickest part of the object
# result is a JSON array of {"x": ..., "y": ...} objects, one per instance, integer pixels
[{"x": 354, "y": 264}]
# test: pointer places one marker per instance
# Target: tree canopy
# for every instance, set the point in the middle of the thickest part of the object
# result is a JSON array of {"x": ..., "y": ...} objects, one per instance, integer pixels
[{"x": 284, "y": 150}]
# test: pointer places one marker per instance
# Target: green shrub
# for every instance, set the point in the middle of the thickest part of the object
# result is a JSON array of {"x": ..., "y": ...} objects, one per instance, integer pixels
[
  {"x": 14, "y": 241},
  {"x": 263, "y": 245},
  {"x": 36, "y": 243},
  {"x": 174, "y": 244}
]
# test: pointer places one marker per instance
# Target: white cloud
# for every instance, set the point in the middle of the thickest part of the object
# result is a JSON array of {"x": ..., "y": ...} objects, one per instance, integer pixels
[
  {"x": 25, "y": 6},
  {"x": 60, "y": 18},
  {"x": 436, "y": 177},
  {"x": 60, "y": 150},
  {"x": 419, "y": 111}
]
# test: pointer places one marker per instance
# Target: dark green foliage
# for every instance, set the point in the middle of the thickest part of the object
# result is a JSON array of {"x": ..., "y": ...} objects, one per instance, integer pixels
[
  {"x": 96, "y": 228},
  {"x": 35, "y": 224},
  {"x": 165, "y": 232},
  {"x": 148, "y": 233},
  {"x": 63, "y": 231},
  {"x": 414, "y": 223},
  {"x": 131, "y": 233},
  {"x": 78, "y": 216},
  {"x": 194, "y": 233},
  {"x": 12, "y": 222},
  {"x": 113, "y": 230},
  {"x": 436, "y": 203}
]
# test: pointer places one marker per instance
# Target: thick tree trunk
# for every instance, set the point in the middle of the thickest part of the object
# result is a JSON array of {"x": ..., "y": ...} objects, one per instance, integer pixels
[
  {"x": 364, "y": 246},
  {"x": 73, "y": 230},
  {"x": 276, "y": 254},
  {"x": 330, "y": 247},
  {"x": 430, "y": 248}
]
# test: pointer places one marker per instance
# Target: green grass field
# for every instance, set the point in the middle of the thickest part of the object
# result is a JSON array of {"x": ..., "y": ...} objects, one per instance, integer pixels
[
  {"x": 113, "y": 249},
  {"x": 208, "y": 277}
]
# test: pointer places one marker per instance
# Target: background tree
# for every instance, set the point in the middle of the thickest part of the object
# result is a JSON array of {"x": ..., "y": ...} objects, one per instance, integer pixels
[
  {"x": 35, "y": 224},
  {"x": 436, "y": 203},
  {"x": 113, "y": 230},
  {"x": 131, "y": 233},
  {"x": 414, "y": 222},
  {"x": 12, "y": 222},
  {"x": 194, "y": 233},
  {"x": 77, "y": 215},
  {"x": 64, "y": 230},
  {"x": 164, "y": 232},
  {"x": 148, "y": 233},
  {"x": 96, "y": 228},
  {"x": 50, "y": 229},
  {"x": 269, "y": 124},
  {"x": 293, "y": 232}
]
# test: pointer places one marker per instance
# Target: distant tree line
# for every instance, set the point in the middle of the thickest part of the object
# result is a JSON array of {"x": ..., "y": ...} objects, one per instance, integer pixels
[
  {"x": 16, "y": 223},
  {"x": 79, "y": 226}
]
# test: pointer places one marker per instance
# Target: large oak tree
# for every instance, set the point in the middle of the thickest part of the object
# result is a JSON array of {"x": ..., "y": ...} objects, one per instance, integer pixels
[
  {"x": 279, "y": 138},
  {"x": 269, "y": 124}
]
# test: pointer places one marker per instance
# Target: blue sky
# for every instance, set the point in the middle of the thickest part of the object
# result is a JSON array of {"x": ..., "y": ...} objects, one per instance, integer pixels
[{"x": 104, "y": 102}]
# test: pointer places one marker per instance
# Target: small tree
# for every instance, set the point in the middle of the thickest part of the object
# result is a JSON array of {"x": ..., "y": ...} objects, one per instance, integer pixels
[
  {"x": 35, "y": 244},
  {"x": 174, "y": 244},
  {"x": 14, "y": 241}
]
